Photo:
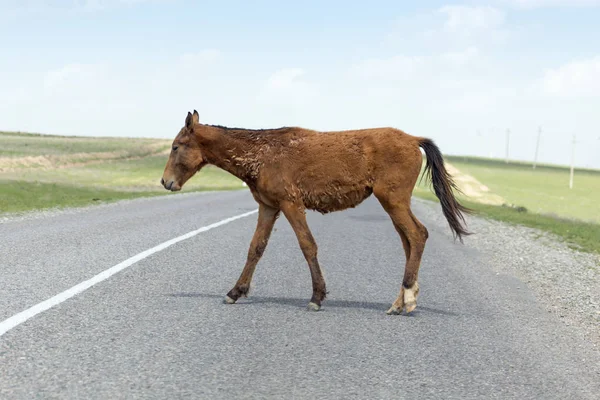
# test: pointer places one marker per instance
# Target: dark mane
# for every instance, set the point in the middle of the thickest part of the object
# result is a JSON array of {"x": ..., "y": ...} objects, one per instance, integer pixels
[
  {"x": 229, "y": 129},
  {"x": 259, "y": 136}
]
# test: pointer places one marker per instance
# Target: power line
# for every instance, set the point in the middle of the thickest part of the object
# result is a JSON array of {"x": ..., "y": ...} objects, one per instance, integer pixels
[
  {"x": 507, "y": 143},
  {"x": 537, "y": 146},
  {"x": 572, "y": 163}
]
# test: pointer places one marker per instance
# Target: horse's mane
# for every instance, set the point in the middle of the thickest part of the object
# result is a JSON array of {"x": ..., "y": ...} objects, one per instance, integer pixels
[
  {"x": 249, "y": 131},
  {"x": 256, "y": 135}
]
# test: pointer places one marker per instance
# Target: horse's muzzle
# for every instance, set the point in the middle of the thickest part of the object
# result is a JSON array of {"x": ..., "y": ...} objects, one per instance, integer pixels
[{"x": 170, "y": 185}]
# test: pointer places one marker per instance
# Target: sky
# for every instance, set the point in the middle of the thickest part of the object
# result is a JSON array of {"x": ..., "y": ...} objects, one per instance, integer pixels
[{"x": 463, "y": 73}]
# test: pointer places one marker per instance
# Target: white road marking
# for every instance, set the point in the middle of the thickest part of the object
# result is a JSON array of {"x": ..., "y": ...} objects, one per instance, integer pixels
[{"x": 23, "y": 316}]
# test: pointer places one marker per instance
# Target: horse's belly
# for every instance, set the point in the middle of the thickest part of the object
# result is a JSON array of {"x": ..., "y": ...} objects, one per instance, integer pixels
[{"x": 335, "y": 200}]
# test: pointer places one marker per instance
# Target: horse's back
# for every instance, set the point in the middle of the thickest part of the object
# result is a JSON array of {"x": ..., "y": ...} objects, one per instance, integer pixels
[{"x": 332, "y": 171}]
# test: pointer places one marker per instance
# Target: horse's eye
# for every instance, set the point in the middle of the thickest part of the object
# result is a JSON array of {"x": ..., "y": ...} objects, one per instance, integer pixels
[{"x": 175, "y": 148}]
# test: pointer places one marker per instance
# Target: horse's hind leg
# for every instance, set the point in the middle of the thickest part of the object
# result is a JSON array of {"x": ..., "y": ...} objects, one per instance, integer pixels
[
  {"x": 266, "y": 219},
  {"x": 413, "y": 235}
]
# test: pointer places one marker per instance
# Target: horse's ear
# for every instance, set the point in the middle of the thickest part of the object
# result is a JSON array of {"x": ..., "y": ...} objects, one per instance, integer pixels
[
  {"x": 189, "y": 120},
  {"x": 196, "y": 117}
]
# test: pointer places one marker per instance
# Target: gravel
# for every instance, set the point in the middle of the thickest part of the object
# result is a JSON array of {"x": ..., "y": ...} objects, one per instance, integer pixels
[{"x": 566, "y": 281}]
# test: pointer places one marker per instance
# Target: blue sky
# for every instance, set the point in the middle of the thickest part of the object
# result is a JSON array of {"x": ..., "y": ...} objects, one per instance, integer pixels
[{"x": 459, "y": 72}]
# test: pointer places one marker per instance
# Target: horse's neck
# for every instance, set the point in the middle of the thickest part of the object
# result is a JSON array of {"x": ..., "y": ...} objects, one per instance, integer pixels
[{"x": 234, "y": 155}]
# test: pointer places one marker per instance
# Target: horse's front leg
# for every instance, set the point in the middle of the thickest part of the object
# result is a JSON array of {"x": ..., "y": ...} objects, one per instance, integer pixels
[
  {"x": 266, "y": 219},
  {"x": 295, "y": 214}
]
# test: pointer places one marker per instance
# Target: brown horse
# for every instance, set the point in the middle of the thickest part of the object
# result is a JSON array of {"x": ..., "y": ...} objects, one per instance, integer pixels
[{"x": 292, "y": 169}]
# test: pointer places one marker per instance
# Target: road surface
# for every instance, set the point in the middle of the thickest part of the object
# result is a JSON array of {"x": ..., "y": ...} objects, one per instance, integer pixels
[{"x": 159, "y": 328}]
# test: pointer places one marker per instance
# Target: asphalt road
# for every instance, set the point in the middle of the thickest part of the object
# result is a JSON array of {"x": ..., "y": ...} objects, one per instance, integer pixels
[{"x": 159, "y": 329}]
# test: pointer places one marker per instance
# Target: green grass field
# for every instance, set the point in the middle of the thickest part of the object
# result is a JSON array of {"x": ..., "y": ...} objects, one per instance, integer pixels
[
  {"x": 544, "y": 190},
  {"x": 27, "y": 148},
  {"x": 39, "y": 171},
  {"x": 582, "y": 236},
  {"x": 16, "y": 196},
  {"x": 538, "y": 198},
  {"x": 130, "y": 175}
]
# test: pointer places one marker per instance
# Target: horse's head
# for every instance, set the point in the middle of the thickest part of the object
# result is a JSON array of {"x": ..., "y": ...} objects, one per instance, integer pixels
[{"x": 186, "y": 156}]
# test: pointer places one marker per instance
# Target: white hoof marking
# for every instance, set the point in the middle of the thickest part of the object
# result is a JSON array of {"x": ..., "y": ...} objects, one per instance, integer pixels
[{"x": 410, "y": 298}]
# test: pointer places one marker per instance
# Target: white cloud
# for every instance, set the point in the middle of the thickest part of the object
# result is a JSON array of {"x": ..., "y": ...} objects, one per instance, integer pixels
[
  {"x": 460, "y": 58},
  {"x": 95, "y": 5},
  {"x": 289, "y": 86},
  {"x": 71, "y": 76},
  {"x": 285, "y": 78},
  {"x": 103, "y": 90},
  {"x": 10, "y": 96},
  {"x": 286, "y": 96},
  {"x": 13, "y": 8},
  {"x": 451, "y": 27},
  {"x": 202, "y": 57},
  {"x": 472, "y": 19},
  {"x": 577, "y": 78},
  {"x": 393, "y": 68},
  {"x": 531, "y": 4},
  {"x": 407, "y": 68}
]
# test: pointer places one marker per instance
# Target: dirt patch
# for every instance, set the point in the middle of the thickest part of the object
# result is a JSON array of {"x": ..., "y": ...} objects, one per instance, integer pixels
[{"x": 472, "y": 188}]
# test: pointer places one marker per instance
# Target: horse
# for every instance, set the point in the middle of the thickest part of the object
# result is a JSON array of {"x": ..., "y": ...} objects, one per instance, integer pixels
[{"x": 291, "y": 169}]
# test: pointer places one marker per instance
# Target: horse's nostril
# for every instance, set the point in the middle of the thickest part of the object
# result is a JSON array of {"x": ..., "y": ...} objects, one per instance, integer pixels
[{"x": 162, "y": 181}]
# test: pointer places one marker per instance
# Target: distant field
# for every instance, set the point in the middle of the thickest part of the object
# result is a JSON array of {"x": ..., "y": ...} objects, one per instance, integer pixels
[
  {"x": 30, "y": 150},
  {"x": 130, "y": 175},
  {"x": 17, "y": 196},
  {"x": 544, "y": 190},
  {"x": 538, "y": 198},
  {"x": 39, "y": 171}
]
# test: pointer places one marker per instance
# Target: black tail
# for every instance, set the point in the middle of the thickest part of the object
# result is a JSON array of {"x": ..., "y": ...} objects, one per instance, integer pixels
[{"x": 443, "y": 185}]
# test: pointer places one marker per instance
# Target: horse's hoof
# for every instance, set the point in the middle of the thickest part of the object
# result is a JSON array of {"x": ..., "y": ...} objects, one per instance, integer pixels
[
  {"x": 229, "y": 300},
  {"x": 394, "y": 311},
  {"x": 410, "y": 307},
  {"x": 313, "y": 307}
]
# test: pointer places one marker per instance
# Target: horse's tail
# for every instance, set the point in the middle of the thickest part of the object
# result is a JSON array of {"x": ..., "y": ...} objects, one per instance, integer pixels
[{"x": 444, "y": 186}]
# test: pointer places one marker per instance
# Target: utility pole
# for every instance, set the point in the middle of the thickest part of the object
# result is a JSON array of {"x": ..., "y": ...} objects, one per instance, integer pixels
[
  {"x": 537, "y": 146},
  {"x": 572, "y": 163},
  {"x": 507, "y": 143}
]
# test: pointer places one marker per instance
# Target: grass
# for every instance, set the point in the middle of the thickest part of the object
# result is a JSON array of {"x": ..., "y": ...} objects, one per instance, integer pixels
[
  {"x": 537, "y": 199},
  {"x": 578, "y": 235},
  {"x": 133, "y": 175},
  {"x": 40, "y": 172},
  {"x": 544, "y": 190},
  {"x": 23, "y": 145},
  {"x": 17, "y": 196}
]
